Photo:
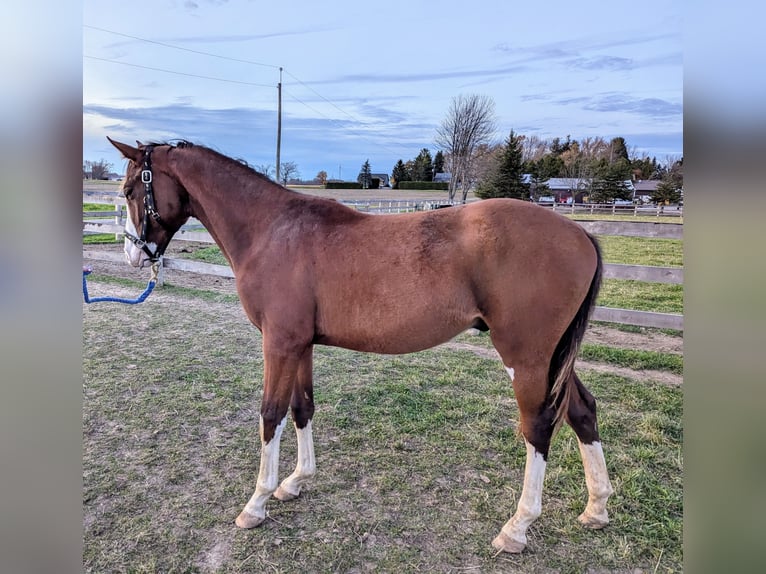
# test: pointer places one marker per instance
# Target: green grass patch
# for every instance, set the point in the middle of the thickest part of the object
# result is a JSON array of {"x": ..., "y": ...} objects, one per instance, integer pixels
[
  {"x": 640, "y": 330},
  {"x": 624, "y": 217},
  {"x": 642, "y": 251},
  {"x": 100, "y": 238},
  {"x": 211, "y": 254},
  {"x": 98, "y": 207},
  {"x": 633, "y": 358},
  {"x": 629, "y": 294}
]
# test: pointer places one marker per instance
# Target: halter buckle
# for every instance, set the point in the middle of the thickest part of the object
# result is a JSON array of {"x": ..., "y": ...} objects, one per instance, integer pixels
[{"x": 146, "y": 176}]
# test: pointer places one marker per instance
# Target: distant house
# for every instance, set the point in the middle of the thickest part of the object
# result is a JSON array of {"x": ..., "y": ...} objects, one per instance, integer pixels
[
  {"x": 443, "y": 177},
  {"x": 564, "y": 188},
  {"x": 643, "y": 189},
  {"x": 383, "y": 177}
]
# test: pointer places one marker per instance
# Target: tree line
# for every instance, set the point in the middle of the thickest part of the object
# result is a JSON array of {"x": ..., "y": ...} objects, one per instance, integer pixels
[{"x": 520, "y": 166}]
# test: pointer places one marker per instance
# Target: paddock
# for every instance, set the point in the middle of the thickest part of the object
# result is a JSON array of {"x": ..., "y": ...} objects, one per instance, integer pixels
[{"x": 171, "y": 392}]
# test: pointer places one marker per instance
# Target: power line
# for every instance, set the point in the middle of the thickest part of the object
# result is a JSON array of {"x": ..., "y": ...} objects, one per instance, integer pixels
[
  {"x": 374, "y": 142},
  {"x": 298, "y": 80},
  {"x": 305, "y": 85},
  {"x": 177, "y": 73},
  {"x": 180, "y": 48}
]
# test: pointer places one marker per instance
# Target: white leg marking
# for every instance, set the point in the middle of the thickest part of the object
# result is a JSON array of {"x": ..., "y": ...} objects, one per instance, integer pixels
[
  {"x": 531, "y": 501},
  {"x": 306, "y": 468},
  {"x": 511, "y": 372},
  {"x": 135, "y": 256},
  {"x": 597, "y": 482},
  {"x": 268, "y": 474}
]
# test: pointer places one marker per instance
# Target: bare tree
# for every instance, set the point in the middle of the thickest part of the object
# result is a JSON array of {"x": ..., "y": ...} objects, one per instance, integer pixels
[
  {"x": 96, "y": 169},
  {"x": 266, "y": 169},
  {"x": 287, "y": 171},
  {"x": 470, "y": 122},
  {"x": 533, "y": 148}
]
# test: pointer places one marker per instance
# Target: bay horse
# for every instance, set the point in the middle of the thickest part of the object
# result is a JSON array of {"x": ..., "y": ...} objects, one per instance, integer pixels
[{"x": 311, "y": 271}]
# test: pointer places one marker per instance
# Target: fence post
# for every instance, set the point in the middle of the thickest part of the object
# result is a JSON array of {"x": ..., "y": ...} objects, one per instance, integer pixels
[
  {"x": 161, "y": 275},
  {"x": 118, "y": 220}
]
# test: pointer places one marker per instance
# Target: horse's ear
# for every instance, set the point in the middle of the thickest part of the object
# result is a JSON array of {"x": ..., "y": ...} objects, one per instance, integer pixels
[{"x": 127, "y": 151}]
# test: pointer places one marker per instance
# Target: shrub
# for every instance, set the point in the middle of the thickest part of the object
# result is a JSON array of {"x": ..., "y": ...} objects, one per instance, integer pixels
[
  {"x": 424, "y": 185},
  {"x": 343, "y": 185}
]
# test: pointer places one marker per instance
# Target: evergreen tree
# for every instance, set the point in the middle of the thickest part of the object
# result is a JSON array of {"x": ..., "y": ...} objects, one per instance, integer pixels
[
  {"x": 538, "y": 187},
  {"x": 423, "y": 167},
  {"x": 506, "y": 177},
  {"x": 557, "y": 148},
  {"x": 399, "y": 173},
  {"x": 619, "y": 150},
  {"x": 365, "y": 175},
  {"x": 610, "y": 185},
  {"x": 549, "y": 165},
  {"x": 667, "y": 192},
  {"x": 669, "y": 189},
  {"x": 439, "y": 162}
]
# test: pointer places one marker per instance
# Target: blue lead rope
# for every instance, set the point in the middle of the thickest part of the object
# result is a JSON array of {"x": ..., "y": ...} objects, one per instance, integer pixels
[{"x": 140, "y": 299}]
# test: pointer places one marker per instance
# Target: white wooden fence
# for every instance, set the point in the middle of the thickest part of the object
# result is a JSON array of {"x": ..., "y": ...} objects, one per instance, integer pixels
[{"x": 193, "y": 231}]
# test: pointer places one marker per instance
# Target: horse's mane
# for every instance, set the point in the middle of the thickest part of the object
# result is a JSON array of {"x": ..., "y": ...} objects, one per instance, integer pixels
[{"x": 240, "y": 163}]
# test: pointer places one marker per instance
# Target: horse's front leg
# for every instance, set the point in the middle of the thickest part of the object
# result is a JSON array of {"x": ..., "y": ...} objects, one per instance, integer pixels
[{"x": 280, "y": 371}]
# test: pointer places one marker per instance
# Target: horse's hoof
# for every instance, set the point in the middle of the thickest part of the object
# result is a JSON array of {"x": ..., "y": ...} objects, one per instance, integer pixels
[
  {"x": 593, "y": 522},
  {"x": 247, "y": 520},
  {"x": 284, "y": 495},
  {"x": 505, "y": 543}
]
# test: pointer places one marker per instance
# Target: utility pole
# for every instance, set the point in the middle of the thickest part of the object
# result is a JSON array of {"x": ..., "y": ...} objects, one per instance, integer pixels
[{"x": 279, "y": 120}]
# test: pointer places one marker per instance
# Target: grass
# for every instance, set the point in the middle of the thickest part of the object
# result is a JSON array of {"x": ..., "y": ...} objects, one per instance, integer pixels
[
  {"x": 629, "y": 294},
  {"x": 98, "y": 207},
  {"x": 168, "y": 289},
  {"x": 642, "y": 251},
  {"x": 210, "y": 254},
  {"x": 636, "y": 359},
  {"x": 419, "y": 464},
  {"x": 624, "y": 217},
  {"x": 99, "y": 238},
  {"x": 633, "y": 358}
]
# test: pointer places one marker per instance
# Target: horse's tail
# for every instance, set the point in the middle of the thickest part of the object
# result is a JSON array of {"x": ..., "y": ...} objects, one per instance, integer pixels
[{"x": 563, "y": 360}]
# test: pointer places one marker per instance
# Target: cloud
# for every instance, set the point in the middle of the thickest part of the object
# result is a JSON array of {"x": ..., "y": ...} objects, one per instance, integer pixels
[
  {"x": 423, "y": 76},
  {"x": 609, "y": 63},
  {"x": 650, "y": 107},
  {"x": 587, "y": 54}
]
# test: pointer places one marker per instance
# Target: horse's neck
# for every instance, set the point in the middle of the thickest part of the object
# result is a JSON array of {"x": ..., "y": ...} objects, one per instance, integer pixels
[{"x": 232, "y": 208}]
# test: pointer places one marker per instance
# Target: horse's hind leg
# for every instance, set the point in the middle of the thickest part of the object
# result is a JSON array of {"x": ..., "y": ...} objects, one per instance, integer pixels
[
  {"x": 581, "y": 416},
  {"x": 537, "y": 415},
  {"x": 302, "y": 405},
  {"x": 280, "y": 372}
]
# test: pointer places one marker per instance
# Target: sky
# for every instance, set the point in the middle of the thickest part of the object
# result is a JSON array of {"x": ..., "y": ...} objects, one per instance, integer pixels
[{"x": 373, "y": 82}]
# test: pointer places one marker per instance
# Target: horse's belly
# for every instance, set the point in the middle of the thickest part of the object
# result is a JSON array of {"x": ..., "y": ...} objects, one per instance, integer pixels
[{"x": 395, "y": 335}]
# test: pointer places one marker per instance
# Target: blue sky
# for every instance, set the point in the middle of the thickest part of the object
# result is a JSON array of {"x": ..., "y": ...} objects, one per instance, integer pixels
[{"x": 362, "y": 82}]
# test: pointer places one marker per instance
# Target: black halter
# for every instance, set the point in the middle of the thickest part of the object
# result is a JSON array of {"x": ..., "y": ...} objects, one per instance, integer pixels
[{"x": 149, "y": 209}]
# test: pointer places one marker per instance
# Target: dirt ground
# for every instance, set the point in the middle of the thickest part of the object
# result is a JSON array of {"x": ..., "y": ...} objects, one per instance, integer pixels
[{"x": 601, "y": 334}]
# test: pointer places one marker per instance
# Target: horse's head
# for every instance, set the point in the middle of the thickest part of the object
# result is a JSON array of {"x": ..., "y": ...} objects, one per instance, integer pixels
[{"x": 157, "y": 203}]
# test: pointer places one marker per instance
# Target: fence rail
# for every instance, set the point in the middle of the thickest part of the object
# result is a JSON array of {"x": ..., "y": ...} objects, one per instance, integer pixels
[{"x": 671, "y": 275}]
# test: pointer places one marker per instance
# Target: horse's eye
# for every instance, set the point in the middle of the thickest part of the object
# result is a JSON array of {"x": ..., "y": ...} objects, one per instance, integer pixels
[{"x": 128, "y": 191}]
